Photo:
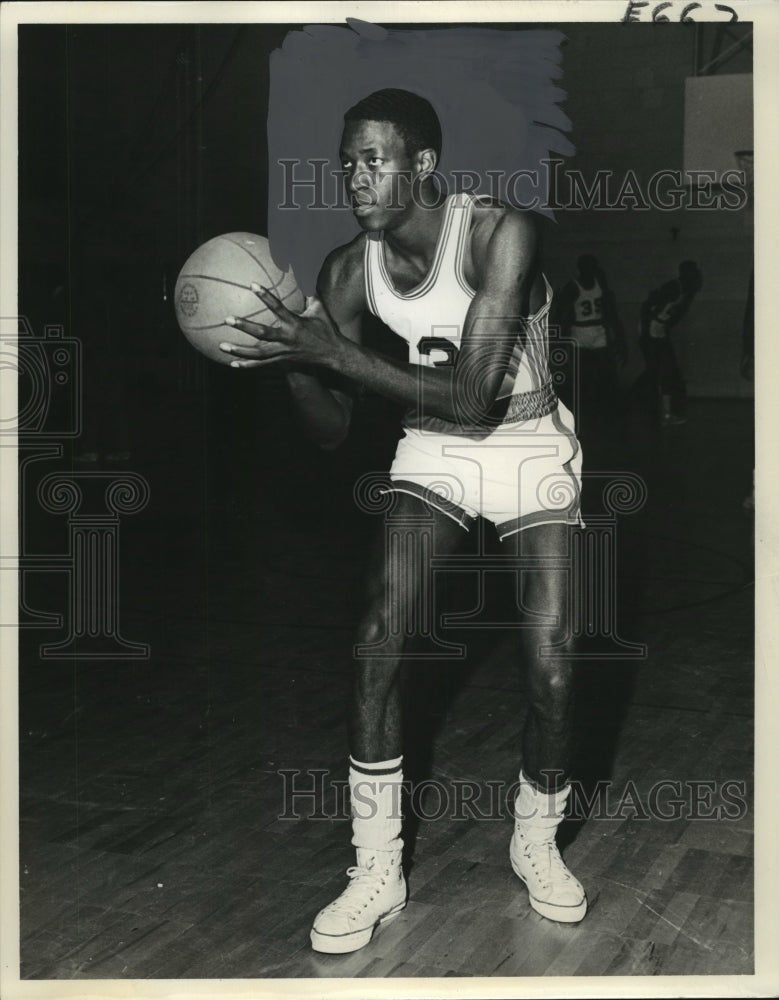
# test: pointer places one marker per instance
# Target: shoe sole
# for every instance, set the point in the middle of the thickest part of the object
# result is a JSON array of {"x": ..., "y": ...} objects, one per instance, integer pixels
[
  {"x": 560, "y": 914},
  {"x": 342, "y": 944}
]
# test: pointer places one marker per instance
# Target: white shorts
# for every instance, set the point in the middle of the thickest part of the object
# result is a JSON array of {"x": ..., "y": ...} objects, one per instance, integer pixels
[
  {"x": 590, "y": 338},
  {"x": 518, "y": 476}
]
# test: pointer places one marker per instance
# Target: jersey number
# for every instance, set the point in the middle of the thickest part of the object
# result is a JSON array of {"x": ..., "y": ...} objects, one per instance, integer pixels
[
  {"x": 588, "y": 306},
  {"x": 427, "y": 345}
]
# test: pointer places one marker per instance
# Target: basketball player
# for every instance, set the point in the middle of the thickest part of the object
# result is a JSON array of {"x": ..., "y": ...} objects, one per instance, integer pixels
[
  {"x": 587, "y": 313},
  {"x": 661, "y": 311},
  {"x": 461, "y": 282}
]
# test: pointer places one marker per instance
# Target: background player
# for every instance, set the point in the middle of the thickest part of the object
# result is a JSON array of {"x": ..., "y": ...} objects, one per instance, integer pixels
[
  {"x": 660, "y": 313},
  {"x": 461, "y": 282},
  {"x": 586, "y": 312}
]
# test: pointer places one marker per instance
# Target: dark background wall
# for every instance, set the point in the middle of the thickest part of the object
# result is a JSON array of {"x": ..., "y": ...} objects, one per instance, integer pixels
[
  {"x": 626, "y": 101},
  {"x": 138, "y": 142}
]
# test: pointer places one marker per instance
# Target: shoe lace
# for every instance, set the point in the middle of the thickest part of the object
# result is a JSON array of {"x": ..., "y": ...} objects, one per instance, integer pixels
[
  {"x": 545, "y": 859},
  {"x": 364, "y": 885}
]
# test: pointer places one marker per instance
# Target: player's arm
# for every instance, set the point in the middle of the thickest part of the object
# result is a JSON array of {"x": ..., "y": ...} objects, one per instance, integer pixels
[
  {"x": 679, "y": 309},
  {"x": 506, "y": 259},
  {"x": 323, "y": 402},
  {"x": 505, "y": 255},
  {"x": 505, "y": 249},
  {"x": 662, "y": 297}
]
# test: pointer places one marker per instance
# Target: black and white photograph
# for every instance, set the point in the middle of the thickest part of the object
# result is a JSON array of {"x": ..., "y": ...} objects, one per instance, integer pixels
[{"x": 389, "y": 546}]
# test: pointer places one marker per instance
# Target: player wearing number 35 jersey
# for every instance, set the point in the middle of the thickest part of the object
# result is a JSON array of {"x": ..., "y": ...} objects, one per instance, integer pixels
[{"x": 460, "y": 281}]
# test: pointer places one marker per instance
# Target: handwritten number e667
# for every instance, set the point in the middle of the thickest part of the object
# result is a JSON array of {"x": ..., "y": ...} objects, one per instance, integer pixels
[{"x": 635, "y": 10}]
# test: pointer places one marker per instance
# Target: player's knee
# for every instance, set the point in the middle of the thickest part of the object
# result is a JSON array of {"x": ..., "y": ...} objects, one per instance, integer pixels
[
  {"x": 389, "y": 613},
  {"x": 551, "y": 687},
  {"x": 374, "y": 624}
]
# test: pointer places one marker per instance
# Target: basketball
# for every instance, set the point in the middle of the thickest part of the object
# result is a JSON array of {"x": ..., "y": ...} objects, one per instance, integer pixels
[{"x": 216, "y": 282}]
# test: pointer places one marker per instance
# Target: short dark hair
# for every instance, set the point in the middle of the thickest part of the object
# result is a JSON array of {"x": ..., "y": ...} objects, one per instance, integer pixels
[
  {"x": 590, "y": 268},
  {"x": 413, "y": 117},
  {"x": 587, "y": 264}
]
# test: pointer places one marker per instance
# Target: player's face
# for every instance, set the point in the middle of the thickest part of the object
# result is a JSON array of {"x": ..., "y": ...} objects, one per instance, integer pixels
[{"x": 378, "y": 173}]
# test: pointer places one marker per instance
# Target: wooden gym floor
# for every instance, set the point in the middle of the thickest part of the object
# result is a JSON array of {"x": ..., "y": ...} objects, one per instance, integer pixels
[{"x": 153, "y": 836}]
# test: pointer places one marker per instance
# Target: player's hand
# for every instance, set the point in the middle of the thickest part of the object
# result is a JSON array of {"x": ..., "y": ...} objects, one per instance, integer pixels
[{"x": 307, "y": 338}]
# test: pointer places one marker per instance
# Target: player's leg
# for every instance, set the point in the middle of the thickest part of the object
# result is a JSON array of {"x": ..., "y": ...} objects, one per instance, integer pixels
[
  {"x": 397, "y": 586},
  {"x": 677, "y": 388},
  {"x": 396, "y": 583},
  {"x": 549, "y": 676},
  {"x": 547, "y": 738},
  {"x": 672, "y": 389},
  {"x": 652, "y": 350}
]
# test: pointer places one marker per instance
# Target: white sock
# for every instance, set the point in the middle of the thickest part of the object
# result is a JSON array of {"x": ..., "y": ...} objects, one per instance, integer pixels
[
  {"x": 539, "y": 812},
  {"x": 375, "y": 791}
]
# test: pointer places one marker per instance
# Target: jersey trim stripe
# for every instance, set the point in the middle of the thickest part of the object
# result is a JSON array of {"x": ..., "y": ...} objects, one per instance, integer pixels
[
  {"x": 432, "y": 275},
  {"x": 466, "y": 211},
  {"x": 370, "y": 293}
]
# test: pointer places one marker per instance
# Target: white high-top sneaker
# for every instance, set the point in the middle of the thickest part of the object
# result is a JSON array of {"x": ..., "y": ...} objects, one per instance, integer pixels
[
  {"x": 377, "y": 889},
  {"x": 553, "y": 890},
  {"x": 376, "y": 893}
]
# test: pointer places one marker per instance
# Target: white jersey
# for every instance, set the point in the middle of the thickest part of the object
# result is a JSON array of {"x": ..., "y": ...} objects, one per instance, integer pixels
[
  {"x": 588, "y": 328},
  {"x": 431, "y": 317}
]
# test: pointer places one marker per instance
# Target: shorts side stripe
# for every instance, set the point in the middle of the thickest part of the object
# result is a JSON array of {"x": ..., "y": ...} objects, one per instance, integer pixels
[
  {"x": 574, "y": 442},
  {"x": 570, "y": 516},
  {"x": 432, "y": 499}
]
